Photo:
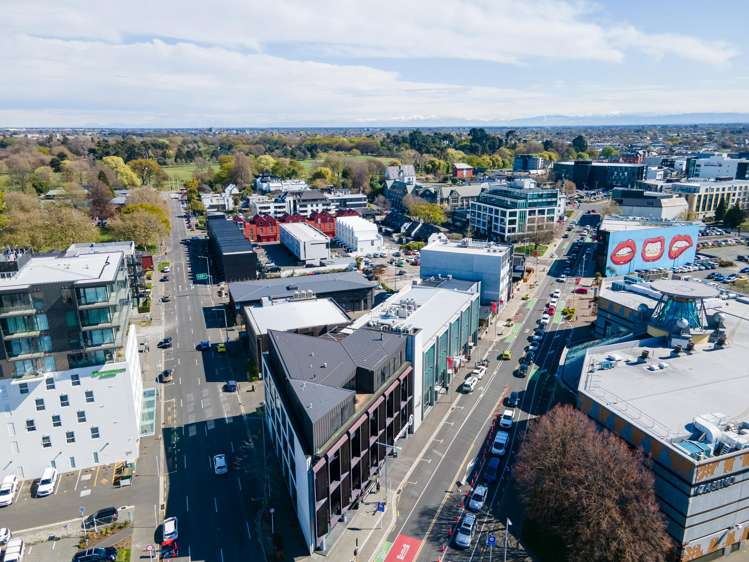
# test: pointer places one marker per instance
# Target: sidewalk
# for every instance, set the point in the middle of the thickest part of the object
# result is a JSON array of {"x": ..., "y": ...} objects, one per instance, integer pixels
[{"x": 364, "y": 536}]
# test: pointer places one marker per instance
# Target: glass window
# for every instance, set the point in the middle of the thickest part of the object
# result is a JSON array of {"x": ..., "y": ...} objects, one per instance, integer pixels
[
  {"x": 30, "y": 425},
  {"x": 64, "y": 401},
  {"x": 50, "y": 383},
  {"x": 70, "y": 436},
  {"x": 89, "y": 396},
  {"x": 96, "y": 457},
  {"x": 42, "y": 322},
  {"x": 39, "y": 404},
  {"x": 56, "y": 421},
  {"x": 45, "y": 343},
  {"x": 76, "y": 380},
  {"x": 71, "y": 320},
  {"x": 81, "y": 416},
  {"x": 95, "y": 434},
  {"x": 23, "y": 388},
  {"x": 46, "y": 441},
  {"x": 49, "y": 364}
]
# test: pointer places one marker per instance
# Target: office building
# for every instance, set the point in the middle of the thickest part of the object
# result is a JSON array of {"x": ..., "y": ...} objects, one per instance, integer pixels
[
  {"x": 358, "y": 235},
  {"x": 264, "y": 205},
  {"x": 531, "y": 163},
  {"x": 650, "y": 204},
  {"x": 308, "y": 244},
  {"x": 679, "y": 394},
  {"x": 70, "y": 379},
  {"x": 471, "y": 260},
  {"x": 266, "y": 183},
  {"x": 350, "y": 290},
  {"x": 232, "y": 256},
  {"x": 333, "y": 408},
  {"x": 718, "y": 166},
  {"x": 440, "y": 318},
  {"x": 515, "y": 211},
  {"x": 307, "y": 202},
  {"x": 586, "y": 174},
  {"x": 346, "y": 199},
  {"x": 703, "y": 197}
]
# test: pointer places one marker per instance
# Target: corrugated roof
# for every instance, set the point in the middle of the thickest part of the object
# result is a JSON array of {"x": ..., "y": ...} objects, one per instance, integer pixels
[
  {"x": 320, "y": 285},
  {"x": 227, "y": 235},
  {"x": 294, "y": 315}
]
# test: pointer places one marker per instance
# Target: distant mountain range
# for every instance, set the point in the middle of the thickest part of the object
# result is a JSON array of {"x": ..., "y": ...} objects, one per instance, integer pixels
[{"x": 629, "y": 119}]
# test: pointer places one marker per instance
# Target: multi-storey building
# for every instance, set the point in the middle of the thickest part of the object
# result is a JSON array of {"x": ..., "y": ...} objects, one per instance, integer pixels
[
  {"x": 703, "y": 197},
  {"x": 308, "y": 244},
  {"x": 586, "y": 174},
  {"x": 70, "y": 380},
  {"x": 718, "y": 166},
  {"x": 531, "y": 163},
  {"x": 516, "y": 210},
  {"x": 357, "y": 234}
]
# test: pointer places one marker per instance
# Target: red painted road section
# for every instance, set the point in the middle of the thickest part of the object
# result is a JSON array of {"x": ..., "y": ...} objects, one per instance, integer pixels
[{"x": 404, "y": 549}]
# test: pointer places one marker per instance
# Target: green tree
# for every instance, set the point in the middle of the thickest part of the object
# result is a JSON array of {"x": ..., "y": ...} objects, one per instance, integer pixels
[
  {"x": 609, "y": 152},
  {"x": 429, "y": 213},
  {"x": 148, "y": 171},
  {"x": 125, "y": 175},
  {"x": 322, "y": 177},
  {"x": 146, "y": 225},
  {"x": 720, "y": 210},
  {"x": 580, "y": 144},
  {"x": 734, "y": 217},
  {"x": 265, "y": 163}
]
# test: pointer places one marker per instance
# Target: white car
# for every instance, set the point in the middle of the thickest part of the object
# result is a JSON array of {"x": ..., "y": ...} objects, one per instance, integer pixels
[
  {"x": 562, "y": 278},
  {"x": 8, "y": 489},
  {"x": 47, "y": 482},
  {"x": 478, "y": 497},
  {"x": 469, "y": 384},
  {"x": 479, "y": 372},
  {"x": 553, "y": 301},
  {"x": 556, "y": 294},
  {"x": 167, "y": 269},
  {"x": 544, "y": 320},
  {"x": 499, "y": 446},
  {"x": 219, "y": 464},
  {"x": 5, "y": 535},
  {"x": 506, "y": 419},
  {"x": 545, "y": 317}
]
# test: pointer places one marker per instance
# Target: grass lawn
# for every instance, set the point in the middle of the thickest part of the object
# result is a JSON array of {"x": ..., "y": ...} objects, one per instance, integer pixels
[
  {"x": 311, "y": 163},
  {"x": 183, "y": 172},
  {"x": 529, "y": 249}
]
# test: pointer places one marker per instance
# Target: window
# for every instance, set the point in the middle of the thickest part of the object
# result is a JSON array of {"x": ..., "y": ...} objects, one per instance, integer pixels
[
  {"x": 30, "y": 425},
  {"x": 50, "y": 382},
  {"x": 95, "y": 434},
  {"x": 76, "y": 380},
  {"x": 56, "y": 421},
  {"x": 89, "y": 396},
  {"x": 81, "y": 417},
  {"x": 23, "y": 388},
  {"x": 64, "y": 401},
  {"x": 39, "y": 404},
  {"x": 96, "y": 457},
  {"x": 46, "y": 441},
  {"x": 49, "y": 364},
  {"x": 70, "y": 436},
  {"x": 72, "y": 462},
  {"x": 42, "y": 322}
]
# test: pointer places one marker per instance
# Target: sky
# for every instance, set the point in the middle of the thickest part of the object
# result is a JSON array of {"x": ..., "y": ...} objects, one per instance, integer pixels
[{"x": 288, "y": 63}]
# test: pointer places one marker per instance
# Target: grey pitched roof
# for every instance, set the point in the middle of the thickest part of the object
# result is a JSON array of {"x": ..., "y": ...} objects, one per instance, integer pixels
[
  {"x": 322, "y": 361},
  {"x": 393, "y": 172},
  {"x": 318, "y": 399},
  {"x": 468, "y": 190},
  {"x": 367, "y": 348},
  {"x": 251, "y": 291}
]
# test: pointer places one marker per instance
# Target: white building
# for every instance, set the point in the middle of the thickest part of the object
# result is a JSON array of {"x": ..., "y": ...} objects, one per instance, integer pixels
[
  {"x": 441, "y": 320},
  {"x": 471, "y": 260},
  {"x": 267, "y": 184},
  {"x": 306, "y": 242},
  {"x": 703, "y": 197},
  {"x": 717, "y": 166},
  {"x": 359, "y": 235},
  {"x": 264, "y": 205},
  {"x": 221, "y": 202},
  {"x": 72, "y": 419}
]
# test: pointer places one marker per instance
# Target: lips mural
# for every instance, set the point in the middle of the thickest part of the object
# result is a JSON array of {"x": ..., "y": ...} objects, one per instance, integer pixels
[
  {"x": 653, "y": 248},
  {"x": 624, "y": 252},
  {"x": 678, "y": 245}
]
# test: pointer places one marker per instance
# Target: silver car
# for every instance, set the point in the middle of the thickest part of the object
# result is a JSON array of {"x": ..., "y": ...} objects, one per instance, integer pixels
[
  {"x": 465, "y": 531},
  {"x": 478, "y": 497}
]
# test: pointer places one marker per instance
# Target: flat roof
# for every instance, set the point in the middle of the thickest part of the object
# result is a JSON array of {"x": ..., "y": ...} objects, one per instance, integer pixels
[
  {"x": 468, "y": 246},
  {"x": 357, "y": 223},
  {"x": 126, "y": 247},
  {"x": 295, "y": 314},
  {"x": 77, "y": 270},
  {"x": 684, "y": 289},
  {"x": 285, "y": 287},
  {"x": 616, "y": 224},
  {"x": 304, "y": 232}
]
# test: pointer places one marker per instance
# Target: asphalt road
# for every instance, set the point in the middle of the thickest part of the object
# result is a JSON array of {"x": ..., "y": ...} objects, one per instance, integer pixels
[{"x": 216, "y": 523}]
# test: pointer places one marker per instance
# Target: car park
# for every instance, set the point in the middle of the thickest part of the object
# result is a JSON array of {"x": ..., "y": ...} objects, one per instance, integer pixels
[
  {"x": 99, "y": 554},
  {"x": 464, "y": 534},
  {"x": 8, "y": 489},
  {"x": 219, "y": 464},
  {"x": 478, "y": 497},
  {"x": 499, "y": 445},
  {"x": 102, "y": 517},
  {"x": 506, "y": 419},
  {"x": 47, "y": 482},
  {"x": 469, "y": 384}
]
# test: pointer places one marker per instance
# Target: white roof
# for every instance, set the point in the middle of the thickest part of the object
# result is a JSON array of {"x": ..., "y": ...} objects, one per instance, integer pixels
[
  {"x": 294, "y": 315},
  {"x": 82, "y": 269},
  {"x": 304, "y": 232},
  {"x": 475, "y": 247},
  {"x": 357, "y": 223}
]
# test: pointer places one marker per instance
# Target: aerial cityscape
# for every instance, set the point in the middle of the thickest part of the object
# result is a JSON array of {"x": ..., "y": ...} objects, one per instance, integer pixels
[{"x": 453, "y": 281}]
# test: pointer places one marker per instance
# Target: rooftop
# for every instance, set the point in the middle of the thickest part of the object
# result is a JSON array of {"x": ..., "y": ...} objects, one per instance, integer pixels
[
  {"x": 467, "y": 246},
  {"x": 357, "y": 222},
  {"x": 304, "y": 232},
  {"x": 295, "y": 314},
  {"x": 126, "y": 247},
  {"x": 227, "y": 235},
  {"x": 616, "y": 223},
  {"x": 77, "y": 270},
  {"x": 251, "y": 291}
]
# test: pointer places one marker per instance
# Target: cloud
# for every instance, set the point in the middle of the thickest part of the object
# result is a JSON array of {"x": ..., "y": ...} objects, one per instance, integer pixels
[{"x": 663, "y": 44}]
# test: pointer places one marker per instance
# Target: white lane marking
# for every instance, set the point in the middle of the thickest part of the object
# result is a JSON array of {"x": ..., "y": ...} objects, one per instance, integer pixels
[
  {"x": 247, "y": 526},
  {"x": 187, "y": 504},
  {"x": 184, "y": 461},
  {"x": 221, "y": 553},
  {"x": 77, "y": 480},
  {"x": 85, "y": 492},
  {"x": 201, "y": 404},
  {"x": 215, "y": 504},
  {"x": 239, "y": 484}
]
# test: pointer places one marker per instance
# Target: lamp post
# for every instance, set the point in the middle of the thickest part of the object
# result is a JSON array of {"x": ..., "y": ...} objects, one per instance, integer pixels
[
  {"x": 401, "y": 433},
  {"x": 507, "y": 535},
  {"x": 208, "y": 269}
]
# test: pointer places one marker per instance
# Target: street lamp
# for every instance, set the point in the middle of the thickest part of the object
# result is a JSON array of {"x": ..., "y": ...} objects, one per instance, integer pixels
[
  {"x": 208, "y": 268},
  {"x": 400, "y": 434}
]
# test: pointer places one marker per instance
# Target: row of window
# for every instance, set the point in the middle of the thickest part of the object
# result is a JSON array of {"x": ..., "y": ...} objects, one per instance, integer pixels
[
  {"x": 20, "y": 324},
  {"x": 57, "y": 422},
  {"x": 64, "y": 401},
  {"x": 42, "y": 364},
  {"x": 69, "y": 437},
  {"x": 49, "y": 384}
]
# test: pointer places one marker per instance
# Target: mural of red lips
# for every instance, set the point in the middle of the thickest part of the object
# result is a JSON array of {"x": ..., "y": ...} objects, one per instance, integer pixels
[
  {"x": 653, "y": 248},
  {"x": 678, "y": 245},
  {"x": 624, "y": 252}
]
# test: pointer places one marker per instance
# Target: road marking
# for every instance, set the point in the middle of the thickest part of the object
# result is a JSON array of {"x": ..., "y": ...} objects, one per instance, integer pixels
[
  {"x": 85, "y": 492},
  {"x": 247, "y": 526},
  {"x": 239, "y": 484},
  {"x": 201, "y": 404},
  {"x": 184, "y": 461},
  {"x": 96, "y": 478},
  {"x": 77, "y": 480},
  {"x": 215, "y": 506},
  {"x": 187, "y": 504}
]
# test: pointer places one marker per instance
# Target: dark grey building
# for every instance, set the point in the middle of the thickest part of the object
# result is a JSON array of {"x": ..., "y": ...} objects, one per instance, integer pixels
[
  {"x": 349, "y": 289},
  {"x": 334, "y": 405},
  {"x": 231, "y": 253},
  {"x": 586, "y": 174}
]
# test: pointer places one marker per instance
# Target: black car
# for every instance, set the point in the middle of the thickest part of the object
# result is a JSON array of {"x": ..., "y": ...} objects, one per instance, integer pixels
[
  {"x": 96, "y": 555},
  {"x": 166, "y": 298},
  {"x": 513, "y": 400},
  {"x": 102, "y": 517},
  {"x": 164, "y": 278},
  {"x": 166, "y": 342}
]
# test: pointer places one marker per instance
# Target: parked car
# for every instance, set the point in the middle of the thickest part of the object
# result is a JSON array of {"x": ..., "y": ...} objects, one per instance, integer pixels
[
  {"x": 230, "y": 386},
  {"x": 167, "y": 375},
  {"x": 5, "y": 535},
  {"x": 221, "y": 347},
  {"x": 219, "y": 464},
  {"x": 478, "y": 497},
  {"x": 14, "y": 550},
  {"x": 167, "y": 269},
  {"x": 479, "y": 372},
  {"x": 47, "y": 482},
  {"x": 98, "y": 554},
  {"x": 506, "y": 419},
  {"x": 581, "y": 290},
  {"x": 105, "y": 516},
  {"x": 204, "y": 345},
  {"x": 499, "y": 446},
  {"x": 513, "y": 399},
  {"x": 170, "y": 532},
  {"x": 491, "y": 470},
  {"x": 8, "y": 490},
  {"x": 464, "y": 534}
]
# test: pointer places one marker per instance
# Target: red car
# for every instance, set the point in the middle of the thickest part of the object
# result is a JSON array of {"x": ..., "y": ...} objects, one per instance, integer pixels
[
  {"x": 551, "y": 309},
  {"x": 581, "y": 290}
]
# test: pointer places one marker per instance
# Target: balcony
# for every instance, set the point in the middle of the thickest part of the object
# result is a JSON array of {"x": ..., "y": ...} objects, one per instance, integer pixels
[
  {"x": 18, "y": 310},
  {"x": 17, "y": 335}
]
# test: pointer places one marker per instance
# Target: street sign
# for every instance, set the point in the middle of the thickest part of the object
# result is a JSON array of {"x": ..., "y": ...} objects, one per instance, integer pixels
[
  {"x": 381, "y": 507},
  {"x": 149, "y": 548},
  {"x": 491, "y": 540},
  {"x": 82, "y": 509},
  {"x": 201, "y": 276}
]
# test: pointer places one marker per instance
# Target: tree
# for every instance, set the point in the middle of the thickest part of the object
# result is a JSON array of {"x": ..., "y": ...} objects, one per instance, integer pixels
[
  {"x": 734, "y": 217},
  {"x": 241, "y": 173},
  {"x": 41, "y": 179},
  {"x": 100, "y": 197},
  {"x": 720, "y": 210},
  {"x": 124, "y": 175},
  {"x": 429, "y": 213},
  {"x": 144, "y": 224},
  {"x": 148, "y": 196},
  {"x": 580, "y": 144},
  {"x": 148, "y": 171},
  {"x": 609, "y": 152},
  {"x": 322, "y": 177},
  {"x": 265, "y": 163},
  {"x": 590, "y": 490}
]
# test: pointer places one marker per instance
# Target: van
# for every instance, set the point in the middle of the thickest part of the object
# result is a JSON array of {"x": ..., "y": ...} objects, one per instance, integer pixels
[
  {"x": 47, "y": 483},
  {"x": 8, "y": 489},
  {"x": 15, "y": 550}
]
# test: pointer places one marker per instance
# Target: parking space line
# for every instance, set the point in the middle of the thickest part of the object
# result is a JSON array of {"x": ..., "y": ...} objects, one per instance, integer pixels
[
  {"x": 96, "y": 478},
  {"x": 75, "y": 488}
]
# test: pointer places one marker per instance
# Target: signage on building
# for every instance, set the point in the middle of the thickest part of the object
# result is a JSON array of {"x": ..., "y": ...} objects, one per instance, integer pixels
[
  {"x": 650, "y": 248},
  {"x": 714, "y": 485}
]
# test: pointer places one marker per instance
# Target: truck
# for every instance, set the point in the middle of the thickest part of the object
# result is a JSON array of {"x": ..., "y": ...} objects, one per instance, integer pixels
[{"x": 14, "y": 550}]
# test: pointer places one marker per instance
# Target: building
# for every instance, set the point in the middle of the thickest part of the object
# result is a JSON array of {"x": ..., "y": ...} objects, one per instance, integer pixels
[
  {"x": 703, "y": 197},
  {"x": 324, "y": 222},
  {"x": 345, "y": 199},
  {"x": 220, "y": 202},
  {"x": 350, "y": 290},
  {"x": 650, "y": 204},
  {"x": 300, "y": 315},
  {"x": 358, "y": 235},
  {"x": 515, "y": 210},
  {"x": 405, "y": 173},
  {"x": 308, "y": 244},
  {"x": 232, "y": 255},
  {"x": 676, "y": 163},
  {"x": 531, "y": 163},
  {"x": 264, "y": 205},
  {"x": 586, "y": 174},
  {"x": 440, "y": 319},
  {"x": 266, "y": 183},
  {"x": 471, "y": 260},
  {"x": 333, "y": 407},
  {"x": 70, "y": 379},
  {"x": 664, "y": 394},
  {"x": 397, "y": 192},
  {"x": 624, "y": 307},
  {"x": 133, "y": 260},
  {"x": 451, "y": 196},
  {"x": 461, "y": 170},
  {"x": 261, "y": 228},
  {"x": 627, "y": 244},
  {"x": 718, "y": 166},
  {"x": 307, "y": 202}
]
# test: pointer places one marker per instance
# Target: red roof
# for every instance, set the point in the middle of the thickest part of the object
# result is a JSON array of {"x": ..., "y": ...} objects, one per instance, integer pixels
[
  {"x": 263, "y": 220},
  {"x": 292, "y": 218},
  {"x": 347, "y": 213}
]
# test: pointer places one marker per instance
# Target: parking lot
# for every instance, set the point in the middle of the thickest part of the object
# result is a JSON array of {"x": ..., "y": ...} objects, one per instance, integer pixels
[{"x": 91, "y": 489}]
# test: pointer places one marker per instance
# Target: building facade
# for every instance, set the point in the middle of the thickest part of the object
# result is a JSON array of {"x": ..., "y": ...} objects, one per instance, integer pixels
[
  {"x": 718, "y": 166},
  {"x": 531, "y": 163},
  {"x": 703, "y": 197},
  {"x": 232, "y": 256},
  {"x": 358, "y": 235},
  {"x": 650, "y": 204},
  {"x": 462, "y": 170},
  {"x": 308, "y": 244},
  {"x": 586, "y": 174}
]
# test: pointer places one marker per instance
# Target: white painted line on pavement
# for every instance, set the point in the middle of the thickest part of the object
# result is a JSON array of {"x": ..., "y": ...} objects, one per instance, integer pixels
[
  {"x": 221, "y": 552},
  {"x": 215, "y": 506},
  {"x": 247, "y": 526},
  {"x": 184, "y": 461},
  {"x": 187, "y": 503},
  {"x": 77, "y": 480},
  {"x": 201, "y": 404},
  {"x": 239, "y": 484}
]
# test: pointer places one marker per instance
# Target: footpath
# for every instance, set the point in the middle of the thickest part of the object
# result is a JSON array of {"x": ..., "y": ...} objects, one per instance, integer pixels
[{"x": 364, "y": 537}]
